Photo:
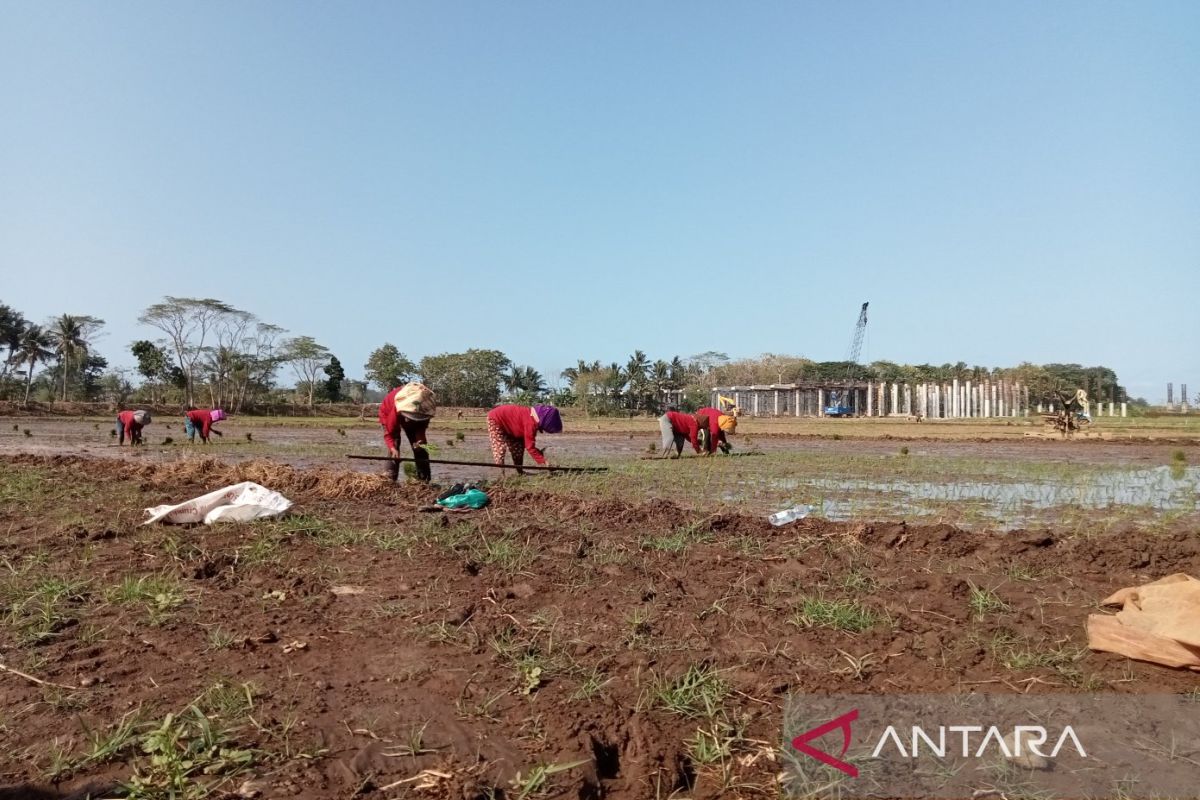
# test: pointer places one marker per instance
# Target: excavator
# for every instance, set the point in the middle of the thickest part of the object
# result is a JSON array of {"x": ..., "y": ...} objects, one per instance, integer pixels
[{"x": 1074, "y": 415}]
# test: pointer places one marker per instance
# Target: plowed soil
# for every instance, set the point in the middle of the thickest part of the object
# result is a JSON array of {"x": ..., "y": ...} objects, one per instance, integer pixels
[{"x": 546, "y": 646}]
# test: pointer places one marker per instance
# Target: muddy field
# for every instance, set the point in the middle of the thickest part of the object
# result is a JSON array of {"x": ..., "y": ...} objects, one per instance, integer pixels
[
  {"x": 559, "y": 643},
  {"x": 991, "y": 481},
  {"x": 326, "y": 443}
]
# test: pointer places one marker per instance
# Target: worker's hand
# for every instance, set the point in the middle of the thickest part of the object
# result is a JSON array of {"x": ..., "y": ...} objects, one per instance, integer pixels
[{"x": 393, "y": 452}]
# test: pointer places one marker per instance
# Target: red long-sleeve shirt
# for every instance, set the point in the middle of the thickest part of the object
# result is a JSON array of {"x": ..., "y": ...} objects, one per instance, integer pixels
[
  {"x": 127, "y": 422},
  {"x": 518, "y": 422},
  {"x": 685, "y": 425},
  {"x": 202, "y": 420},
  {"x": 394, "y": 423},
  {"x": 714, "y": 426}
]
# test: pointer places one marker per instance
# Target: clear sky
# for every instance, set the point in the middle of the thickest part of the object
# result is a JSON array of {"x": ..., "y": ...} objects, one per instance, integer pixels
[{"x": 1004, "y": 182}]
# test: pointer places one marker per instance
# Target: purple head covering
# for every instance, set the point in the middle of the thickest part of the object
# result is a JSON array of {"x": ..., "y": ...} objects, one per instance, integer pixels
[
  {"x": 549, "y": 420},
  {"x": 216, "y": 415}
]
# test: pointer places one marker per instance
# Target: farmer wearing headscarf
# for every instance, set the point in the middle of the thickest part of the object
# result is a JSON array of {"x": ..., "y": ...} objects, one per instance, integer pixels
[
  {"x": 714, "y": 426},
  {"x": 514, "y": 429},
  {"x": 201, "y": 421},
  {"x": 407, "y": 409},
  {"x": 676, "y": 429},
  {"x": 130, "y": 423}
]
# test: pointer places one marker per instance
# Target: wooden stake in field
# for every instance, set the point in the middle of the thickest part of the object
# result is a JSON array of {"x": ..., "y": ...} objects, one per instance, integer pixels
[{"x": 482, "y": 464}]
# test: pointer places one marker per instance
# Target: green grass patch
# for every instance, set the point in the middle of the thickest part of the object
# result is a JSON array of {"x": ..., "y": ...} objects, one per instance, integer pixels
[
  {"x": 698, "y": 692},
  {"x": 40, "y": 609},
  {"x": 159, "y": 594},
  {"x": 848, "y": 616},
  {"x": 984, "y": 602},
  {"x": 677, "y": 540},
  {"x": 187, "y": 757},
  {"x": 504, "y": 552}
]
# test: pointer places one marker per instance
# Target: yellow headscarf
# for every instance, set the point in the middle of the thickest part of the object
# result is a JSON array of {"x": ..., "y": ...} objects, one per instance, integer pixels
[{"x": 727, "y": 423}]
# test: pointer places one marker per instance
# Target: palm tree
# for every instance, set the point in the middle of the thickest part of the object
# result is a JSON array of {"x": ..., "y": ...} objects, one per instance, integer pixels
[
  {"x": 581, "y": 369},
  {"x": 531, "y": 381},
  {"x": 635, "y": 372},
  {"x": 679, "y": 372},
  {"x": 512, "y": 379},
  {"x": 71, "y": 337},
  {"x": 524, "y": 381},
  {"x": 12, "y": 325},
  {"x": 637, "y": 366},
  {"x": 36, "y": 346},
  {"x": 614, "y": 379},
  {"x": 660, "y": 380}
]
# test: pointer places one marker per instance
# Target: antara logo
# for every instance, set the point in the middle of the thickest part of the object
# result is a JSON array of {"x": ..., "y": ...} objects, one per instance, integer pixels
[
  {"x": 801, "y": 743},
  {"x": 1021, "y": 739}
]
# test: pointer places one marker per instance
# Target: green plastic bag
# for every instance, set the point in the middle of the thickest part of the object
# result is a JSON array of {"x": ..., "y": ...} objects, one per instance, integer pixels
[{"x": 472, "y": 498}]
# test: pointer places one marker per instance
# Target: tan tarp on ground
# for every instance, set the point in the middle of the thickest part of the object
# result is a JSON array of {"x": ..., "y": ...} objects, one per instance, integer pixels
[{"x": 1158, "y": 622}]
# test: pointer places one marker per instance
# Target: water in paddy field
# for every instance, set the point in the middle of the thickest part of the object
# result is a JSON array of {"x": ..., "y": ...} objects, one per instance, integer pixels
[{"x": 1154, "y": 493}]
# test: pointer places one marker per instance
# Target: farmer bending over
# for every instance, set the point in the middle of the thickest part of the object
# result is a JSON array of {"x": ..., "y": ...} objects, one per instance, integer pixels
[
  {"x": 408, "y": 409},
  {"x": 515, "y": 429},
  {"x": 714, "y": 426},
  {"x": 130, "y": 423},
  {"x": 202, "y": 421},
  {"x": 676, "y": 429}
]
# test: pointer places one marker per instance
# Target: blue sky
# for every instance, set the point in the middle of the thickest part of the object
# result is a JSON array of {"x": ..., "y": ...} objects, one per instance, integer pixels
[{"x": 1003, "y": 182}]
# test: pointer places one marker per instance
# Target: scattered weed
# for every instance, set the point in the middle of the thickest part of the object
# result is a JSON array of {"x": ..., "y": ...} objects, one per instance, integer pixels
[
  {"x": 699, "y": 692},
  {"x": 507, "y": 553},
  {"x": 219, "y": 638},
  {"x": 984, "y": 602},
  {"x": 41, "y": 610},
  {"x": 592, "y": 685},
  {"x": 841, "y": 615},
  {"x": 187, "y": 758},
  {"x": 858, "y": 581},
  {"x": 228, "y": 701},
  {"x": 677, "y": 540},
  {"x": 639, "y": 629},
  {"x": 536, "y": 782},
  {"x": 160, "y": 594}
]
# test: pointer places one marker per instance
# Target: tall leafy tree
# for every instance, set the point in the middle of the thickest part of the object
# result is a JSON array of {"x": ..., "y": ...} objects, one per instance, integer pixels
[
  {"x": 470, "y": 379},
  {"x": 388, "y": 368},
  {"x": 260, "y": 359},
  {"x": 308, "y": 360},
  {"x": 188, "y": 324},
  {"x": 155, "y": 367},
  {"x": 333, "y": 381}
]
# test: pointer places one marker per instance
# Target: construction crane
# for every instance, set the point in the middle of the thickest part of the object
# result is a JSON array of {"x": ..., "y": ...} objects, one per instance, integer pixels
[{"x": 839, "y": 401}]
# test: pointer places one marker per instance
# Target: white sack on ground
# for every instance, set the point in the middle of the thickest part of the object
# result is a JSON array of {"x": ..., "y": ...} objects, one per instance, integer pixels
[{"x": 240, "y": 502}]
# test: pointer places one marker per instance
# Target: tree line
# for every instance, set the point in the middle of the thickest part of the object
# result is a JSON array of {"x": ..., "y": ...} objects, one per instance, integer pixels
[{"x": 207, "y": 352}]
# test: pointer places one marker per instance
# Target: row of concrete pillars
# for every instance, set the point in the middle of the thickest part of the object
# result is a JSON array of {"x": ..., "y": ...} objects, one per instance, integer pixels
[{"x": 950, "y": 400}]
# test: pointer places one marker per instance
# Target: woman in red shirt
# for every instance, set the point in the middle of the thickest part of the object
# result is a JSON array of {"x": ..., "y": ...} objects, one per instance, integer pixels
[
  {"x": 407, "y": 409},
  {"x": 130, "y": 423},
  {"x": 677, "y": 428},
  {"x": 200, "y": 421},
  {"x": 714, "y": 425},
  {"x": 515, "y": 428}
]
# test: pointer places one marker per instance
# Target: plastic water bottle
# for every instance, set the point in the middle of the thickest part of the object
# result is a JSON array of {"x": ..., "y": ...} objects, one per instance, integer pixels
[{"x": 789, "y": 515}]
